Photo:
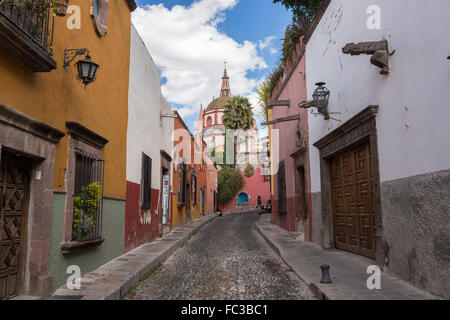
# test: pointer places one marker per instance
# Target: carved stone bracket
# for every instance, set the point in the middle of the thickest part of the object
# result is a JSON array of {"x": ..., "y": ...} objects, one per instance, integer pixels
[{"x": 378, "y": 49}]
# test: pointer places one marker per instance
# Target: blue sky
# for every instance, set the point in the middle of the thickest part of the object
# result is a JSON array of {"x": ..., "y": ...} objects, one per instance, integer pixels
[{"x": 244, "y": 32}]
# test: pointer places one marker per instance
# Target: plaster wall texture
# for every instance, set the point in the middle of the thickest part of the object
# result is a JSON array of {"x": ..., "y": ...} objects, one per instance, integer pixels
[
  {"x": 286, "y": 144},
  {"x": 86, "y": 259},
  {"x": 412, "y": 128},
  {"x": 412, "y": 122},
  {"x": 57, "y": 96},
  {"x": 146, "y": 131}
]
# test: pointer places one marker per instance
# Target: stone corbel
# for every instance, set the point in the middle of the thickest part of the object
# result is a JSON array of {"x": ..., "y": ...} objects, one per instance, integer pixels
[{"x": 378, "y": 49}]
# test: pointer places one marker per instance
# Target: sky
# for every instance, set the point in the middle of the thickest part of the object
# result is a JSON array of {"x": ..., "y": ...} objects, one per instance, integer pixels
[{"x": 190, "y": 40}]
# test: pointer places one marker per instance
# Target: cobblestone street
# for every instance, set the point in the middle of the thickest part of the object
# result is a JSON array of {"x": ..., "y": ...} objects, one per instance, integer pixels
[{"x": 227, "y": 259}]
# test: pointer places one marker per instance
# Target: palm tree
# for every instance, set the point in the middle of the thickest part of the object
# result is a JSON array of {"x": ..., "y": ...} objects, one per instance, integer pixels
[
  {"x": 263, "y": 100},
  {"x": 238, "y": 115}
]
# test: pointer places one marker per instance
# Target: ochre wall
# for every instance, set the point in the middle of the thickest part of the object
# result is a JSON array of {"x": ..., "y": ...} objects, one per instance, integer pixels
[{"x": 57, "y": 96}]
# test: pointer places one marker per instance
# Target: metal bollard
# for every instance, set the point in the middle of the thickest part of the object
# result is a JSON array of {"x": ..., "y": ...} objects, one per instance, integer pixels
[{"x": 325, "y": 274}]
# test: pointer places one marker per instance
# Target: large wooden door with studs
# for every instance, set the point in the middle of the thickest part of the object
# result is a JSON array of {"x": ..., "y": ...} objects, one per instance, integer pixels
[
  {"x": 14, "y": 190},
  {"x": 353, "y": 201}
]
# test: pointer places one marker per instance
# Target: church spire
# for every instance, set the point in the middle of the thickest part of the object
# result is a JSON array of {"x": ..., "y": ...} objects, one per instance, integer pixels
[{"x": 225, "y": 90}]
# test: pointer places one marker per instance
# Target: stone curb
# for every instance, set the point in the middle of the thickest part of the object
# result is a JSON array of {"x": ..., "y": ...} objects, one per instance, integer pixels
[
  {"x": 335, "y": 291},
  {"x": 112, "y": 280}
]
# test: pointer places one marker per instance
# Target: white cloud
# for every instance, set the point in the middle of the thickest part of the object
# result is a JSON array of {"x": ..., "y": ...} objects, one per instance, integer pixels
[
  {"x": 190, "y": 50},
  {"x": 185, "y": 112},
  {"x": 266, "y": 42},
  {"x": 273, "y": 50}
]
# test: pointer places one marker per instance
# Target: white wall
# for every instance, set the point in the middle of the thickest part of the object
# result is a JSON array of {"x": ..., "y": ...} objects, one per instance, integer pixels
[
  {"x": 146, "y": 132},
  {"x": 419, "y": 81}
]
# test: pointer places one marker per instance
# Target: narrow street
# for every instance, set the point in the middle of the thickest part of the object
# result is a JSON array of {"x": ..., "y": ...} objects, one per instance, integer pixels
[{"x": 227, "y": 259}]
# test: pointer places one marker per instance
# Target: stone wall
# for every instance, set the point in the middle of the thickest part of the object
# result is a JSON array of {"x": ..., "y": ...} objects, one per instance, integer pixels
[{"x": 416, "y": 218}]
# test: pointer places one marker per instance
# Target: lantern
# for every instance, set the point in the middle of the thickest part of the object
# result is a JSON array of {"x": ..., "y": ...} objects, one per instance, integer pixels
[
  {"x": 87, "y": 70},
  {"x": 321, "y": 96}
]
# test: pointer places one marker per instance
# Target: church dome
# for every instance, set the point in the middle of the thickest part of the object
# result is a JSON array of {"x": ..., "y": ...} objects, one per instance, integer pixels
[{"x": 219, "y": 103}]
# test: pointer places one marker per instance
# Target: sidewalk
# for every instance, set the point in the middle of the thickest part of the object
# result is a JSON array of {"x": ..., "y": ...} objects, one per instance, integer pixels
[
  {"x": 347, "y": 270},
  {"x": 112, "y": 280}
]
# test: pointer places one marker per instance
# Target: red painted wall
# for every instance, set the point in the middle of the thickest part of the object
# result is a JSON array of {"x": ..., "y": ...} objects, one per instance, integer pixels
[
  {"x": 254, "y": 186},
  {"x": 138, "y": 230}
]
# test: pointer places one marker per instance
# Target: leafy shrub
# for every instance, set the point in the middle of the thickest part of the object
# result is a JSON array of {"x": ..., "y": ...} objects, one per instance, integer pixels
[
  {"x": 249, "y": 171},
  {"x": 230, "y": 181},
  {"x": 85, "y": 208}
]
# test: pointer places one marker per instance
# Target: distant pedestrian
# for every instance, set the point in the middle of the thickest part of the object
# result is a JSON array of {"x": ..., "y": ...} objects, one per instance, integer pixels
[{"x": 259, "y": 204}]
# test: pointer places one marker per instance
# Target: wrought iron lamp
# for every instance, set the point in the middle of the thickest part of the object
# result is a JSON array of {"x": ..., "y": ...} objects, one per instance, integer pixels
[
  {"x": 321, "y": 97},
  {"x": 87, "y": 69}
]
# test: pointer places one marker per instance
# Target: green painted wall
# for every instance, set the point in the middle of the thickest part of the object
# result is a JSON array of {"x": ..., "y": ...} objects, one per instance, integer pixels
[{"x": 87, "y": 259}]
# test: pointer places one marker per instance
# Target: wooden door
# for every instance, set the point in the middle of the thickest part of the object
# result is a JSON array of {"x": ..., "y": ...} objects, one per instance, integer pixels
[
  {"x": 188, "y": 203},
  {"x": 353, "y": 201},
  {"x": 14, "y": 189}
]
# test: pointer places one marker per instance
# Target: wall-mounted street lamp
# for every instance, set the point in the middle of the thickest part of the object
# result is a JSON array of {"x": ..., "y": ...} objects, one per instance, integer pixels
[
  {"x": 321, "y": 97},
  {"x": 87, "y": 69}
]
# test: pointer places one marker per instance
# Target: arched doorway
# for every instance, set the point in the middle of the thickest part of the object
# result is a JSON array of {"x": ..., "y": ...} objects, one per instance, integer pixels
[{"x": 243, "y": 200}]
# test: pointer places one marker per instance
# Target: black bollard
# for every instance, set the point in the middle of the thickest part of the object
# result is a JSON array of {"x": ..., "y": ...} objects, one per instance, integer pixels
[{"x": 325, "y": 274}]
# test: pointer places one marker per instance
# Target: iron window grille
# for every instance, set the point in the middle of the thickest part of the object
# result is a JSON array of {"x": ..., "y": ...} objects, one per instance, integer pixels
[
  {"x": 146, "y": 182},
  {"x": 88, "y": 198},
  {"x": 32, "y": 17},
  {"x": 281, "y": 187}
]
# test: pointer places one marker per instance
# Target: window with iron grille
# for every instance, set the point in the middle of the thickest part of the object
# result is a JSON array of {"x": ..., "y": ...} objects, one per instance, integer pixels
[
  {"x": 87, "y": 198},
  {"x": 146, "y": 182},
  {"x": 181, "y": 196},
  {"x": 281, "y": 187},
  {"x": 194, "y": 190}
]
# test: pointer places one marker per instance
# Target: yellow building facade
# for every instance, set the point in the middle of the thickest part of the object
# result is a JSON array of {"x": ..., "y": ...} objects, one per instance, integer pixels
[{"x": 49, "y": 121}]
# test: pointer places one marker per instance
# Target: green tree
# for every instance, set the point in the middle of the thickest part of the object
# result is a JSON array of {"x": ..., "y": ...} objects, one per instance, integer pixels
[
  {"x": 230, "y": 181},
  {"x": 238, "y": 115},
  {"x": 301, "y": 8},
  {"x": 263, "y": 100},
  {"x": 249, "y": 170}
]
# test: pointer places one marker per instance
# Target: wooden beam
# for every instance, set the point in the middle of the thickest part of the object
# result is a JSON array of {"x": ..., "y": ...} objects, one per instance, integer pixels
[
  {"x": 286, "y": 119},
  {"x": 280, "y": 103}
]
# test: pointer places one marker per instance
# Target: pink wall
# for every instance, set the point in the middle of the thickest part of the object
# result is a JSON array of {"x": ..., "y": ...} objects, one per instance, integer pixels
[
  {"x": 254, "y": 186},
  {"x": 295, "y": 91}
]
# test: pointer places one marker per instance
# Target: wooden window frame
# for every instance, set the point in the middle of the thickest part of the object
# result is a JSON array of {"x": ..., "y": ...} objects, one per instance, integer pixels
[
  {"x": 281, "y": 179},
  {"x": 146, "y": 182}
]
